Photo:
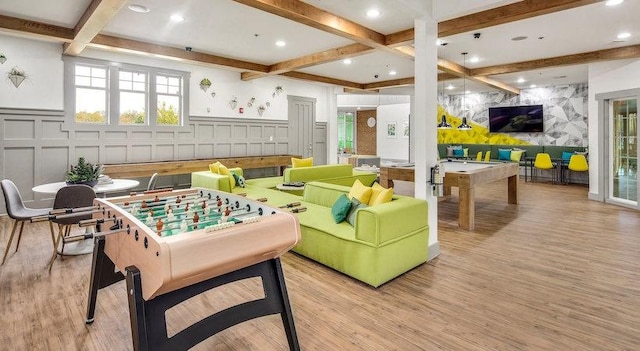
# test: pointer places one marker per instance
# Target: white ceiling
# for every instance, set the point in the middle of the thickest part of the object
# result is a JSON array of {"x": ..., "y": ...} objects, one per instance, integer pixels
[{"x": 230, "y": 29}]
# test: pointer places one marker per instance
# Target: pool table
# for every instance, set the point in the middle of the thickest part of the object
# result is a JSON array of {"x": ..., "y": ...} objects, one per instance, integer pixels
[{"x": 464, "y": 175}]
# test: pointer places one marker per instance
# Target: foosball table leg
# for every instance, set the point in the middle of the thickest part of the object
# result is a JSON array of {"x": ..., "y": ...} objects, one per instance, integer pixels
[
  {"x": 148, "y": 318},
  {"x": 286, "y": 313},
  {"x": 103, "y": 274}
]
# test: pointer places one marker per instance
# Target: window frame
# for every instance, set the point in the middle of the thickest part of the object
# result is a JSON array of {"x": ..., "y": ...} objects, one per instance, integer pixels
[{"x": 113, "y": 92}]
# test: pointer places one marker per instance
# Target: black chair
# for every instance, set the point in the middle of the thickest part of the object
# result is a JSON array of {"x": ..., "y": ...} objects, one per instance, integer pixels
[
  {"x": 152, "y": 182},
  {"x": 19, "y": 212},
  {"x": 71, "y": 196}
]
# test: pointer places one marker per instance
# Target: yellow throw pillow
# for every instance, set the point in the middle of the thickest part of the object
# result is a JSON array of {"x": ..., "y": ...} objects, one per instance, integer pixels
[
  {"x": 301, "y": 162},
  {"x": 360, "y": 192},
  {"x": 516, "y": 155},
  {"x": 380, "y": 194},
  {"x": 225, "y": 171},
  {"x": 215, "y": 167}
]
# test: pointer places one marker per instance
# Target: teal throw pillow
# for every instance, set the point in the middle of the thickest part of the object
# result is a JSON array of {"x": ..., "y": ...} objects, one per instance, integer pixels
[
  {"x": 566, "y": 155},
  {"x": 458, "y": 152},
  {"x": 340, "y": 208},
  {"x": 240, "y": 181},
  {"x": 504, "y": 154},
  {"x": 355, "y": 206}
]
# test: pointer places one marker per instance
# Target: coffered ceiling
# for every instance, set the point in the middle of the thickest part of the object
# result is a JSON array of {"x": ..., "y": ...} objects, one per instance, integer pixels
[{"x": 557, "y": 38}]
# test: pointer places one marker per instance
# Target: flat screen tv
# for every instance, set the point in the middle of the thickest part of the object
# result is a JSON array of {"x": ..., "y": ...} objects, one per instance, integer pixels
[{"x": 515, "y": 119}]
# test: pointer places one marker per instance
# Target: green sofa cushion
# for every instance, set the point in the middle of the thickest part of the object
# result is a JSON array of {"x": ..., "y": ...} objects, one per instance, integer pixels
[{"x": 308, "y": 174}]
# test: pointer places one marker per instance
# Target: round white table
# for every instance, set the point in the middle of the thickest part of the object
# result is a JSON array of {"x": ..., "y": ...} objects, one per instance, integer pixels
[
  {"x": 86, "y": 246},
  {"x": 115, "y": 186}
]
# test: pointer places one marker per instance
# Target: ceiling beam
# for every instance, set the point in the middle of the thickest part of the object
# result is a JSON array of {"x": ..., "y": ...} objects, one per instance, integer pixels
[
  {"x": 301, "y": 12},
  {"x": 95, "y": 18},
  {"x": 460, "y": 71},
  {"x": 390, "y": 83},
  {"x": 314, "y": 59},
  {"x": 107, "y": 41},
  {"x": 621, "y": 53},
  {"x": 47, "y": 31},
  {"x": 496, "y": 84},
  {"x": 506, "y": 14},
  {"x": 321, "y": 79}
]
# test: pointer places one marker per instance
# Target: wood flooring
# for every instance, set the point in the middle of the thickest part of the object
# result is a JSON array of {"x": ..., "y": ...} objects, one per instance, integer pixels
[{"x": 556, "y": 272}]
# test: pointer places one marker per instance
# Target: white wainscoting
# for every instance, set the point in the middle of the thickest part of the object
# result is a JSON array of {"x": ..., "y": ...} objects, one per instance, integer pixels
[{"x": 38, "y": 146}]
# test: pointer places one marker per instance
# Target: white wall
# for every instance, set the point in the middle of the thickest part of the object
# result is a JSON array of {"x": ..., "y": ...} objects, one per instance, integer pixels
[
  {"x": 606, "y": 77},
  {"x": 393, "y": 148},
  {"x": 42, "y": 61}
]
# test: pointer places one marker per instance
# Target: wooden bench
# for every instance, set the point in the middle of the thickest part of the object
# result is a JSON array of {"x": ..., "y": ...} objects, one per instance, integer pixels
[{"x": 147, "y": 169}]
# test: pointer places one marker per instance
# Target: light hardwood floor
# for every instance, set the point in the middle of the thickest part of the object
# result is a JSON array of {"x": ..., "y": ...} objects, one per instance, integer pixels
[{"x": 556, "y": 272}]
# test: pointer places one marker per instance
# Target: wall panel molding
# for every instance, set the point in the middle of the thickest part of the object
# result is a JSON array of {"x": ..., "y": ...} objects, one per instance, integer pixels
[{"x": 51, "y": 143}]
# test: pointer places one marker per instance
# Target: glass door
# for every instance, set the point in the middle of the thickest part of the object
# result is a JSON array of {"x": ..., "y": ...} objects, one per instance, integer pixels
[{"x": 623, "y": 177}]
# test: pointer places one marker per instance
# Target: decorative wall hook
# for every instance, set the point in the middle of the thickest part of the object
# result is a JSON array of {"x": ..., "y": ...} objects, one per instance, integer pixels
[
  {"x": 233, "y": 103},
  {"x": 3, "y": 59}
]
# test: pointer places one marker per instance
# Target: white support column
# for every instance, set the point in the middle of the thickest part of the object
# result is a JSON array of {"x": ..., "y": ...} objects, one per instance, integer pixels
[
  {"x": 424, "y": 118},
  {"x": 332, "y": 125}
]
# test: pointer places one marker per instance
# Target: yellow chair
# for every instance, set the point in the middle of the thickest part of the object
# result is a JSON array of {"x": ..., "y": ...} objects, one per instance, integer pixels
[
  {"x": 578, "y": 163},
  {"x": 543, "y": 162},
  {"x": 479, "y": 156},
  {"x": 487, "y": 156}
]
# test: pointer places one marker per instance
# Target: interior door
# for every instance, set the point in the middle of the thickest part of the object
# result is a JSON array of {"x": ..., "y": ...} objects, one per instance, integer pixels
[
  {"x": 302, "y": 120},
  {"x": 623, "y": 151}
]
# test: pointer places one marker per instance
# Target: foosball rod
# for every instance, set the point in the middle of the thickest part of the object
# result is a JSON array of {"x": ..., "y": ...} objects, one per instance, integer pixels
[
  {"x": 65, "y": 215},
  {"x": 73, "y": 238}
]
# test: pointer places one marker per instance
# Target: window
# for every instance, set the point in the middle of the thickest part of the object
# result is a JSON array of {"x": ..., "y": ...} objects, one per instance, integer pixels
[
  {"x": 91, "y": 94},
  {"x": 168, "y": 107},
  {"x": 119, "y": 94},
  {"x": 133, "y": 97},
  {"x": 345, "y": 132}
]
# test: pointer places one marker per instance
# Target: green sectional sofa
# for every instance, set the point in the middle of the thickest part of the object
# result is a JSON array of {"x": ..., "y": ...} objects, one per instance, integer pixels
[{"x": 387, "y": 240}]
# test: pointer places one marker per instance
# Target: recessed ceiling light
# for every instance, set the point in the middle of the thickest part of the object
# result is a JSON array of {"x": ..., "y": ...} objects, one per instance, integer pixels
[
  {"x": 392, "y": 73},
  {"x": 440, "y": 42},
  {"x": 522, "y": 37},
  {"x": 177, "y": 18},
  {"x": 521, "y": 80},
  {"x": 138, "y": 8},
  {"x": 347, "y": 61},
  {"x": 450, "y": 87},
  {"x": 373, "y": 13},
  {"x": 624, "y": 35},
  {"x": 614, "y": 2},
  {"x": 474, "y": 59},
  {"x": 532, "y": 86},
  {"x": 281, "y": 43}
]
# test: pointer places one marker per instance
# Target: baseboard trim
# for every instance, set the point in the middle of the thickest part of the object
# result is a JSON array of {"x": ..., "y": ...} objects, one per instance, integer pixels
[{"x": 434, "y": 251}]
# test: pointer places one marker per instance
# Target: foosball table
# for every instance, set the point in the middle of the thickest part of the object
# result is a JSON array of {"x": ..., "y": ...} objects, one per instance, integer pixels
[{"x": 173, "y": 245}]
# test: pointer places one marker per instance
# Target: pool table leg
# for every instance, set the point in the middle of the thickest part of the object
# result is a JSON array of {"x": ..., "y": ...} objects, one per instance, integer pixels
[
  {"x": 512, "y": 184},
  {"x": 466, "y": 208}
]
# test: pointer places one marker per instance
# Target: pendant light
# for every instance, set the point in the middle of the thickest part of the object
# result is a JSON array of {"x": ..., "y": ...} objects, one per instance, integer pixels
[
  {"x": 443, "y": 122},
  {"x": 463, "y": 109}
]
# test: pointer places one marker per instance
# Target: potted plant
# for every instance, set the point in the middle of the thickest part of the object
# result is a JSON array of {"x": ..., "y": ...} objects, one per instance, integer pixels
[
  {"x": 83, "y": 173},
  {"x": 16, "y": 76},
  {"x": 205, "y": 83}
]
